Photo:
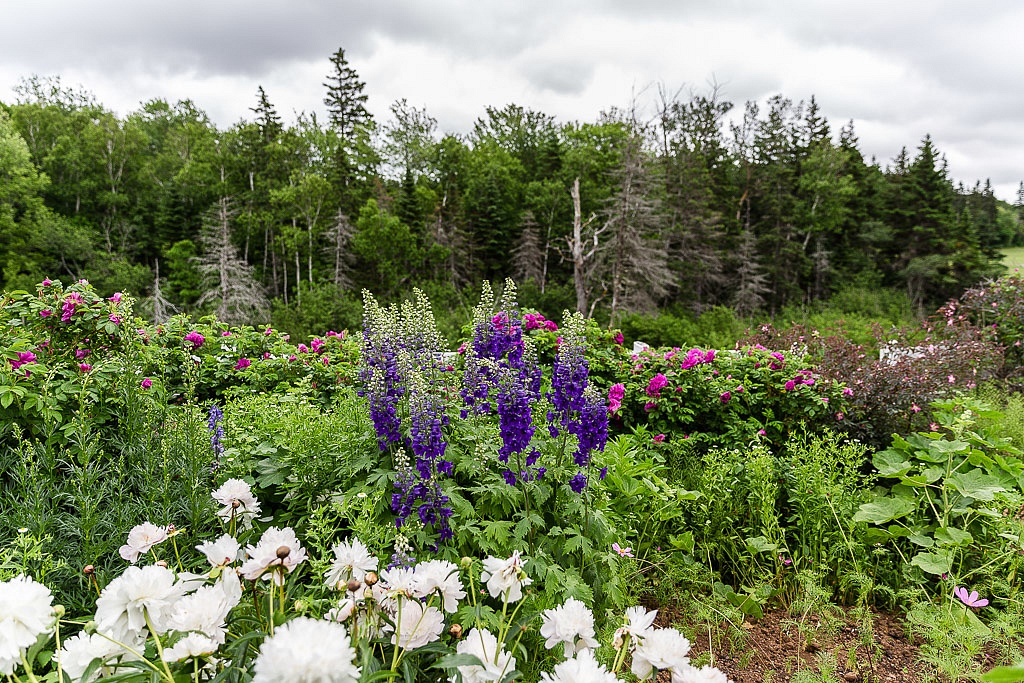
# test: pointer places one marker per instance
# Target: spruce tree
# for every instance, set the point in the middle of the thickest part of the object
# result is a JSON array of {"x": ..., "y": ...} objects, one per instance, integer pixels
[{"x": 345, "y": 99}]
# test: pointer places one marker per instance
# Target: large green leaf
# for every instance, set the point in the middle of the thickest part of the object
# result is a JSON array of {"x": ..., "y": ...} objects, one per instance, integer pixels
[
  {"x": 975, "y": 484},
  {"x": 937, "y": 563},
  {"x": 1005, "y": 674},
  {"x": 953, "y": 536},
  {"x": 882, "y": 510},
  {"x": 889, "y": 463}
]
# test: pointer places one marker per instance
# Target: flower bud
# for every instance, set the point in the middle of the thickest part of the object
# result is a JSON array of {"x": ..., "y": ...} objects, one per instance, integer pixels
[
  {"x": 371, "y": 578},
  {"x": 88, "y": 569},
  {"x": 90, "y": 627},
  {"x": 58, "y": 611},
  {"x": 353, "y": 585},
  {"x": 235, "y": 504},
  {"x": 467, "y": 562},
  {"x": 161, "y": 563},
  {"x": 301, "y": 606},
  {"x": 455, "y": 630},
  {"x": 283, "y": 552}
]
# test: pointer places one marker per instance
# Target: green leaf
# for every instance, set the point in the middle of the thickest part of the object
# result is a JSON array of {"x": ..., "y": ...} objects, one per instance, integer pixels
[
  {"x": 760, "y": 544},
  {"x": 1005, "y": 674},
  {"x": 882, "y": 510},
  {"x": 975, "y": 484},
  {"x": 953, "y": 536},
  {"x": 929, "y": 476},
  {"x": 889, "y": 463},
  {"x": 937, "y": 563}
]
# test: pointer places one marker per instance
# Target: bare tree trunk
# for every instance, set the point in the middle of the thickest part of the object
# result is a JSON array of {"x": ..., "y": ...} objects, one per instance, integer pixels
[{"x": 576, "y": 249}]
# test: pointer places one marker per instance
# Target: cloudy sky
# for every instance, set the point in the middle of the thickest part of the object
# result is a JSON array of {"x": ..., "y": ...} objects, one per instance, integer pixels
[{"x": 899, "y": 69}]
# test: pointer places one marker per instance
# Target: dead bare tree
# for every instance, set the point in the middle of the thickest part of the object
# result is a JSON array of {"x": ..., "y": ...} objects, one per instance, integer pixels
[
  {"x": 227, "y": 278},
  {"x": 338, "y": 237},
  {"x": 751, "y": 280},
  {"x": 635, "y": 261},
  {"x": 584, "y": 244},
  {"x": 528, "y": 255},
  {"x": 158, "y": 307}
]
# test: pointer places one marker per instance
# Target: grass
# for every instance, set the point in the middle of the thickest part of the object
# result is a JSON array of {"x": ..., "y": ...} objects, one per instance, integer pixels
[{"x": 1013, "y": 257}]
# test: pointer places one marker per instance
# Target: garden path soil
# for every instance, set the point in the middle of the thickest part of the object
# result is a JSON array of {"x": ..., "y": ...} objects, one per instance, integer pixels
[{"x": 773, "y": 650}]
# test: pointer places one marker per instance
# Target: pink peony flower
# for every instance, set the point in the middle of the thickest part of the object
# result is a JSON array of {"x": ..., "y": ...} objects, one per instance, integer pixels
[
  {"x": 84, "y": 367},
  {"x": 657, "y": 383},
  {"x": 242, "y": 364},
  {"x": 116, "y": 298},
  {"x": 619, "y": 339},
  {"x": 47, "y": 282},
  {"x": 46, "y": 313},
  {"x": 725, "y": 396},
  {"x": 195, "y": 339},
  {"x": 659, "y": 438},
  {"x": 146, "y": 383}
]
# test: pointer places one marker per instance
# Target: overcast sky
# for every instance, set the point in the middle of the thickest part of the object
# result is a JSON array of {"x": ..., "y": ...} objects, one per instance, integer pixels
[{"x": 898, "y": 68}]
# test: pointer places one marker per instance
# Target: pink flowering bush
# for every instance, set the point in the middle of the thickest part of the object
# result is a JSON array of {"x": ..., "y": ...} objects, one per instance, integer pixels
[{"x": 729, "y": 397}]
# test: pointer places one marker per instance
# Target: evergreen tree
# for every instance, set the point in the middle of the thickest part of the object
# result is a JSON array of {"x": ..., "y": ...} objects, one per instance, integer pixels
[{"x": 345, "y": 99}]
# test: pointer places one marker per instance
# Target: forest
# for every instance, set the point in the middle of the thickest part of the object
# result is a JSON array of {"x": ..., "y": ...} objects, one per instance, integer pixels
[{"x": 682, "y": 207}]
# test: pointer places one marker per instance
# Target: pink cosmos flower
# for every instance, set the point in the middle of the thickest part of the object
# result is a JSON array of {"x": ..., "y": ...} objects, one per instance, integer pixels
[
  {"x": 969, "y": 599},
  {"x": 146, "y": 383},
  {"x": 624, "y": 552},
  {"x": 914, "y": 408},
  {"x": 934, "y": 426},
  {"x": 840, "y": 416},
  {"x": 951, "y": 379},
  {"x": 242, "y": 364}
]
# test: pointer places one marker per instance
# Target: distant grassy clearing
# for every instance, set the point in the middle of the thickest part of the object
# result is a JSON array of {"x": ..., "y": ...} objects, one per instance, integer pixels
[{"x": 1014, "y": 257}]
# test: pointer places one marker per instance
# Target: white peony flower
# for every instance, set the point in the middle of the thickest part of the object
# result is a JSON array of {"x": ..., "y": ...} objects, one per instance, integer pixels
[
  {"x": 483, "y": 645},
  {"x": 567, "y": 623},
  {"x": 663, "y": 649},
  {"x": 352, "y": 560},
  {"x": 140, "y": 539},
  {"x": 583, "y": 669},
  {"x": 705, "y": 674},
  {"x": 79, "y": 651},
  {"x": 204, "y": 611},
  {"x": 26, "y": 612},
  {"x": 192, "y": 645},
  {"x": 123, "y": 605},
  {"x": 505, "y": 578},
  {"x": 395, "y": 584},
  {"x": 342, "y": 612},
  {"x": 238, "y": 501},
  {"x": 307, "y": 650},
  {"x": 276, "y": 548},
  {"x": 221, "y": 552},
  {"x": 417, "y": 626},
  {"x": 638, "y": 623},
  {"x": 439, "y": 577}
]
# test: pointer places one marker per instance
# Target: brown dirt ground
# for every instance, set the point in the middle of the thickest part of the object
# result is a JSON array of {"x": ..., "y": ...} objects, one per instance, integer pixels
[{"x": 841, "y": 648}]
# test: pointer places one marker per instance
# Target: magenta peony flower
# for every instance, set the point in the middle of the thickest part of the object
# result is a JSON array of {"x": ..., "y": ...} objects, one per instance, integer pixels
[
  {"x": 657, "y": 383},
  {"x": 46, "y": 313},
  {"x": 195, "y": 339},
  {"x": 146, "y": 383},
  {"x": 725, "y": 396},
  {"x": 84, "y": 367},
  {"x": 242, "y": 364}
]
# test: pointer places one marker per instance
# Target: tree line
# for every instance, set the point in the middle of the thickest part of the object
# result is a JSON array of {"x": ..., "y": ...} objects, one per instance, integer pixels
[{"x": 687, "y": 206}]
